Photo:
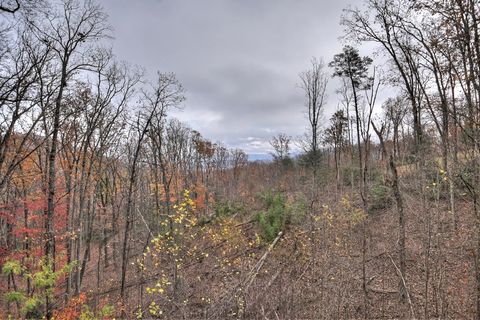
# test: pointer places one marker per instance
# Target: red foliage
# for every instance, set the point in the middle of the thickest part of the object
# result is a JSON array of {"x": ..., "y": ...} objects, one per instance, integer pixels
[
  {"x": 72, "y": 309},
  {"x": 36, "y": 204}
]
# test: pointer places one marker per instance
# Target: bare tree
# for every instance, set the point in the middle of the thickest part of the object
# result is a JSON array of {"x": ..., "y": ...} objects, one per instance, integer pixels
[
  {"x": 69, "y": 33},
  {"x": 21, "y": 70},
  {"x": 335, "y": 136},
  {"x": 350, "y": 65},
  {"x": 395, "y": 186},
  {"x": 313, "y": 82},
  {"x": 395, "y": 112},
  {"x": 379, "y": 23},
  {"x": 165, "y": 94},
  {"x": 281, "y": 147}
]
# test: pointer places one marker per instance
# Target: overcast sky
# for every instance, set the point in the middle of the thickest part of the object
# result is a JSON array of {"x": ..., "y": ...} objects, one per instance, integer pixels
[{"x": 239, "y": 60}]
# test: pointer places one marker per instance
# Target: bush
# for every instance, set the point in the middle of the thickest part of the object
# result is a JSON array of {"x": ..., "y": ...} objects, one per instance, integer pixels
[
  {"x": 380, "y": 197},
  {"x": 297, "y": 210},
  {"x": 43, "y": 280},
  {"x": 347, "y": 174},
  {"x": 274, "y": 218},
  {"x": 408, "y": 159},
  {"x": 310, "y": 159},
  {"x": 14, "y": 296},
  {"x": 373, "y": 174},
  {"x": 437, "y": 186},
  {"x": 227, "y": 208},
  {"x": 222, "y": 210}
]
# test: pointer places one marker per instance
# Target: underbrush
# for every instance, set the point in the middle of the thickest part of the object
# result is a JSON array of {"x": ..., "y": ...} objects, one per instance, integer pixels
[{"x": 275, "y": 216}]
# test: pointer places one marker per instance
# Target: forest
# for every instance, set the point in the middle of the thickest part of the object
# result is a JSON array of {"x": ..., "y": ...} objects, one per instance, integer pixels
[{"x": 110, "y": 208}]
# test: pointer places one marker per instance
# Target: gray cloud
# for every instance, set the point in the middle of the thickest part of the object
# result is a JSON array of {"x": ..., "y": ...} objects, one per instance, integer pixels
[{"x": 238, "y": 59}]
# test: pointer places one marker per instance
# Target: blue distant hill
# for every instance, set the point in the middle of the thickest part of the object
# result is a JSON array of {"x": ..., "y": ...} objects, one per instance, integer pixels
[
  {"x": 267, "y": 157},
  {"x": 259, "y": 157}
]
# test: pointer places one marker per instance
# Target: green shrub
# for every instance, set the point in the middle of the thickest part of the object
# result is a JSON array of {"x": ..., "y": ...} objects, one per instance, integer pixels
[
  {"x": 12, "y": 267},
  {"x": 350, "y": 174},
  {"x": 297, "y": 210},
  {"x": 380, "y": 197},
  {"x": 274, "y": 218},
  {"x": 43, "y": 282},
  {"x": 32, "y": 308},
  {"x": 222, "y": 209},
  {"x": 14, "y": 296},
  {"x": 227, "y": 208},
  {"x": 286, "y": 163},
  {"x": 107, "y": 311},
  {"x": 87, "y": 314},
  {"x": 373, "y": 175}
]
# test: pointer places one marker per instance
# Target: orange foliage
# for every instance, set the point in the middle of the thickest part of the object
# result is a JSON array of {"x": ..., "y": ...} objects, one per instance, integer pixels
[{"x": 72, "y": 309}]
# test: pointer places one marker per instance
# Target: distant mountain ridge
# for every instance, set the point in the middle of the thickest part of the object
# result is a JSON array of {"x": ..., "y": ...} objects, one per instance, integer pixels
[{"x": 260, "y": 157}]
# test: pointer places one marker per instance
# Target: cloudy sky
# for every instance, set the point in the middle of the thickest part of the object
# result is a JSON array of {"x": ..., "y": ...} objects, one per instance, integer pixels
[{"x": 239, "y": 60}]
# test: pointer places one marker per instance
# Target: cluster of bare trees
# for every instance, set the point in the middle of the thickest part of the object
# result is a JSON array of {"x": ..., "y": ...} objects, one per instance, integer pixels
[
  {"x": 431, "y": 62},
  {"x": 86, "y": 146},
  {"x": 433, "y": 51}
]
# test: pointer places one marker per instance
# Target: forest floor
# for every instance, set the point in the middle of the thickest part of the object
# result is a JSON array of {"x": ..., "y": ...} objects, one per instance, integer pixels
[{"x": 315, "y": 269}]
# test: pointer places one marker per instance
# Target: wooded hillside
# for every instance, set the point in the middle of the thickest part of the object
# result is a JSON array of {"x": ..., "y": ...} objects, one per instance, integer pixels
[{"x": 111, "y": 208}]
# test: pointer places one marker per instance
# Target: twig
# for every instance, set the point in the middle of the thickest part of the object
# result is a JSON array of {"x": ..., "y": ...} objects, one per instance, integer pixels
[
  {"x": 256, "y": 269},
  {"x": 404, "y": 286},
  {"x": 375, "y": 290},
  {"x": 245, "y": 284},
  {"x": 145, "y": 222}
]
